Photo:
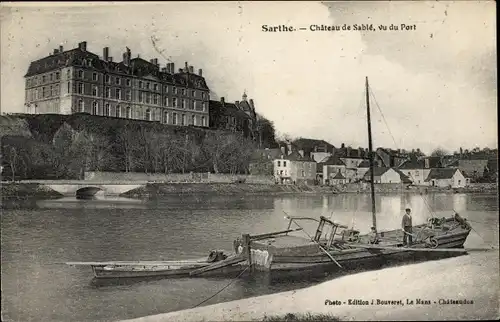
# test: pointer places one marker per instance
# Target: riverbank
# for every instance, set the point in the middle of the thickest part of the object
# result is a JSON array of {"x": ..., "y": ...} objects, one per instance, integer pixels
[
  {"x": 473, "y": 277},
  {"x": 151, "y": 190},
  {"x": 27, "y": 190}
]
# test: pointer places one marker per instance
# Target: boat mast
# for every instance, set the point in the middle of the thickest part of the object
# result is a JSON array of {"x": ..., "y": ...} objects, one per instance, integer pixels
[{"x": 370, "y": 155}]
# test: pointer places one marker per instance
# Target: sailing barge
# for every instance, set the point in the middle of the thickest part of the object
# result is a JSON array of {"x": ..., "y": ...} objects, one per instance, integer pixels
[{"x": 333, "y": 244}]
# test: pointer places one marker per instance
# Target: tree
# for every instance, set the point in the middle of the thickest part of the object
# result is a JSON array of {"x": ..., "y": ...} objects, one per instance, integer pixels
[
  {"x": 439, "y": 152},
  {"x": 266, "y": 132}
]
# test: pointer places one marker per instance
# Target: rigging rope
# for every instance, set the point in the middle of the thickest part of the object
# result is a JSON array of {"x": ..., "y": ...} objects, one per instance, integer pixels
[
  {"x": 431, "y": 211},
  {"x": 222, "y": 289}
]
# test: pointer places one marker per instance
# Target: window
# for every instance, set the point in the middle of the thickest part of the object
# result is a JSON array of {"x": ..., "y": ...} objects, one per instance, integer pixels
[
  {"x": 44, "y": 92},
  {"x": 155, "y": 99},
  {"x": 80, "y": 74},
  {"x": 174, "y": 102},
  {"x": 203, "y": 123},
  {"x": 166, "y": 89},
  {"x": 165, "y": 101},
  {"x": 108, "y": 92},
  {"x": 51, "y": 77},
  {"x": 155, "y": 86},
  {"x": 118, "y": 94},
  {"x": 118, "y": 111},
  {"x": 183, "y": 119},
  {"x": 279, "y": 163},
  {"x": 95, "y": 91},
  {"x": 175, "y": 90},
  {"x": 147, "y": 85},
  {"x": 129, "y": 95},
  {"x": 148, "y": 97},
  {"x": 128, "y": 82},
  {"x": 81, "y": 106},
  {"x": 183, "y": 91},
  {"x": 193, "y": 93},
  {"x": 148, "y": 115},
  {"x": 128, "y": 113},
  {"x": 284, "y": 163},
  {"x": 68, "y": 73},
  {"x": 58, "y": 76},
  {"x": 108, "y": 79},
  {"x": 183, "y": 103},
  {"x": 141, "y": 97},
  {"x": 140, "y": 84},
  {"x": 94, "y": 76},
  {"x": 44, "y": 79},
  {"x": 303, "y": 173},
  {"x": 117, "y": 80},
  {"x": 174, "y": 118},
  {"x": 193, "y": 120},
  {"x": 51, "y": 91},
  {"x": 204, "y": 106},
  {"x": 80, "y": 88},
  {"x": 165, "y": 117},
  {"x": 95, "y": 108}
]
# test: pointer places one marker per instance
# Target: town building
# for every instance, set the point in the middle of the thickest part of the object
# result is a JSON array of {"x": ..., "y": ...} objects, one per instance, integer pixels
[
  {"x": 294, "y": 168},
  {"x": 338, "y": 179},
  {"x": 387, "y": 175},
  {"x": 416, "y": 170},
  {"x": 315, "y": 149},
  {"x": 331, "y": 167},
  {"x": 235, "y": 117},
  {"x": 473, "y": 169},
  {"x": 447, "y": 177},
  {"x": 261, "y": 162},
  {"x": 363, "y": 167},
  {"x": 79, "y": 81}
]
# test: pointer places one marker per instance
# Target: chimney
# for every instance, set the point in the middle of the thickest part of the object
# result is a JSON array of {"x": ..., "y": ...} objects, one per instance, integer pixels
[
  {"x": 348, "y": 151},
  {"x": 127, "y": 56},
  {"x": 191, "y": 69},
  {"x": 186, "y": 67},
  {"x": 152, "y": 61},
  {"x": 155, "y": 61},
  {"x": 200, "y": 72},
  {"x": 222, "y": 101},
  {"x": 360, "y": 152},
  {"x": 164, "y": 69},
  {"x": 105, "y": 53},
  {"x": 282, "y": 151},
  {"x": 61, "y": 49},
  {"x": 83, "y": 46},
  {"x": 55, "y": 51},
  {"x": 172, "y": 68},
  {"x": 180, "y": 70},
  {"x": 237, "y": 103},
  {"x": 110, "y": 59}
]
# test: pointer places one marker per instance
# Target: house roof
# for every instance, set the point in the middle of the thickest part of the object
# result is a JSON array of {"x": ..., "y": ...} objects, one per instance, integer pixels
[
  {"x": 333, "y": 160},
  {"x": 295, "y": 156},
  {"x": 266, "y": 154},
  {"x": 138, "y": 67},
  {"x": 309, "y": 144},
  {"x": 364, "y": 164},
  {"x": 338, "y": 176},
  {"x": 413, "y": 164},
  {"x": 441, "y": 173},
  {"x": 404, "y": 177},
  {"x": 377, "y": 172}
]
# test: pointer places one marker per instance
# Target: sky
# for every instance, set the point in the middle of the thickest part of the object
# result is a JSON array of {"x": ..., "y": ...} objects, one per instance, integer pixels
[{"x": 433, "y": 86}]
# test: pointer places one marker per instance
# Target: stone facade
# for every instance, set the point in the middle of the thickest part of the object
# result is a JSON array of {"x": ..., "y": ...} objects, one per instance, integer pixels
[{"x": 79, "y": 81}]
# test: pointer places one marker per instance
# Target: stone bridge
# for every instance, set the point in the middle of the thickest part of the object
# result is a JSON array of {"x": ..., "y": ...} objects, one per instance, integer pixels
[{"x": 90, "y": 188}]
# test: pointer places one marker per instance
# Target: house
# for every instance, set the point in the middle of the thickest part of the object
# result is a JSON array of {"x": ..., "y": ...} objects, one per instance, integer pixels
[
  {"x": 234, "y": 117},
  {"x": 316, "y": 149},
  {"x": 331, "y": 167},
  {"x": 474, "y": 169},
  {"x": 338, "y": 179},
  {"x": 416, "y": 171},
  {"x": 363, "y": 167},
  {"x": 391, "y": 158},
  {"x": 387, "y": 175},
  {"x": 294, "y": 168},
  {"x": 261, "y": 162},
  {"x": 447, "y": 177}
]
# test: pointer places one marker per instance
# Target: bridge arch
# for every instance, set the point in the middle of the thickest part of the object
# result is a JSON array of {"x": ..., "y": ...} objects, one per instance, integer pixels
[{"x": 87, "y": 192}]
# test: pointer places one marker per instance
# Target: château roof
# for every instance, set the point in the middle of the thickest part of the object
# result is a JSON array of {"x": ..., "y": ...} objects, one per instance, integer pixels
[{"x": 138, "y": 68}]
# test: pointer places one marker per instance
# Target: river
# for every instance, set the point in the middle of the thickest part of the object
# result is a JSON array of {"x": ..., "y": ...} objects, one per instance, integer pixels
[{"x": 37, "y": 235}]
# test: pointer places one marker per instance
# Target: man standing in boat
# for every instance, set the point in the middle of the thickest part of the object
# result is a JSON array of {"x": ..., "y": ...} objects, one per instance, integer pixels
[{"x": 407, "y": 225}]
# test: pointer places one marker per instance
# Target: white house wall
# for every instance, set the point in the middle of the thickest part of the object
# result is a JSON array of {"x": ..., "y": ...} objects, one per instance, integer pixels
[{"x": 390, "y": 176}]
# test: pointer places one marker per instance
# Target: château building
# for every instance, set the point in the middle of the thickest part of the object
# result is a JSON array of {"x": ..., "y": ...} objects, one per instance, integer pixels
[
  {"x": 79, "y": 81},
  {"x": 239, "y": 116}
]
